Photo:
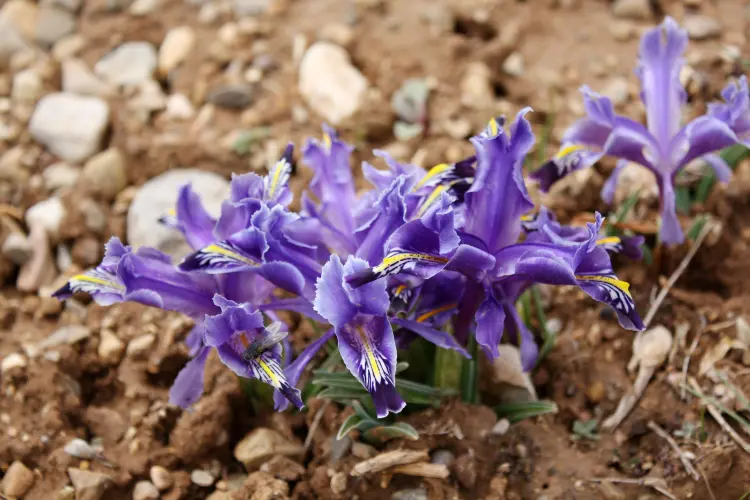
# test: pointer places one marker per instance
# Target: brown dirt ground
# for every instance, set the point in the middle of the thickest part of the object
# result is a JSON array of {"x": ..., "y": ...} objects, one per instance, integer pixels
[{"x": 46, "y": 404}]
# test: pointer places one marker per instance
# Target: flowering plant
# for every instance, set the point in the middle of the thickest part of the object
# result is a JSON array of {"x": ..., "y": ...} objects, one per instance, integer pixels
[
  {"x": 663, "y": 146},
  {"x": 441, "y": 254}
]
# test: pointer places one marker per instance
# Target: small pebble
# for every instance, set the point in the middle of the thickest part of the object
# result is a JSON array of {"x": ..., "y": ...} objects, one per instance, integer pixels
[
  {"x": 111, "y": 348},
  {"x": 12, "y": 362},
  {"x": 501, "y": 427},
  {"x": 161, "y": 477},
  {"x": 145, "y": 490},
  {"x": 339, "y": 482},
  {"x": 201, "y": 478},
  {"x": 140, "y": 346},
  {"x": 443, "y": 457}
]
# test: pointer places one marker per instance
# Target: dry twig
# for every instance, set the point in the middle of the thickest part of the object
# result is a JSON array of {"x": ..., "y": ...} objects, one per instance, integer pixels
[
  {"x": 669, "y": 439},
  {"x": 387, "y": 460},
  {"x": 314, "y": 426},
  {"x": 716, "y": 413},
  {"x": 672, "y": 280},
  {"x": 691, "y": 351}
]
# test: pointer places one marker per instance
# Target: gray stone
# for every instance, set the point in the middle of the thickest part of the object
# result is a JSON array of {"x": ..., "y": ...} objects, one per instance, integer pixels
[
  {"x": 244, "y": 8},
  {"x": 77, "y": 78},
  {"x": 60, "y": 175},
  {"x": 53, "y": 24},
  {"x": 232, "y": 96},
  {"x": 701, "y": 27},
  {"x": 632, "y": 9},
  {"x": 72, "y": 127},
  {"x": 158, "y": 196},
  {"x": 443, "y": 457},
  {"x": 340, "y": 448},
  {"x": 89, "y": 485},
  {"x": 330, "y": 84},
  {"x": 106, "y": 173},
  {"x": 132, "y": 63},
  {"x": 412, "y": 494},
  {"x": 18, "y": 480}
]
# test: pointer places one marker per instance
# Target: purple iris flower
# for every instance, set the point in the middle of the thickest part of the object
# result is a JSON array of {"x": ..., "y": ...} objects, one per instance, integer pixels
[
  {"x": 360, "y": 322},
  {"x": 244, "y": 345},
  {"x": 543, "y": 227},
  {"x": 485, "y": 248},
  {"x": 664, "y": 146}
]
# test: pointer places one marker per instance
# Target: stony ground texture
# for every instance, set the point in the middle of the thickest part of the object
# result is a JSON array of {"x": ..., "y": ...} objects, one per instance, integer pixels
[{"x": 107, "y": 106}]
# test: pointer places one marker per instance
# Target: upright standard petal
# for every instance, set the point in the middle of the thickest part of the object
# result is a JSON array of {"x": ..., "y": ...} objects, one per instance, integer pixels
[
  {"x": 332, "y": 183},
  {"x": 498, "y": 197},
  {"x": 386, "y": 216},
  {"x": 735, "y": 111},
  {"x": 659, "y": 64},
  {"x": 192, "y": 219},
  {"x": 420, "y": 247}
]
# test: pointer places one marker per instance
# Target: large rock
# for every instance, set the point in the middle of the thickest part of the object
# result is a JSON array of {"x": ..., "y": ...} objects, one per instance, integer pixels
[
  {"x": 262, "y": 444},
  {"x": 157, "y": 198},
  {"x": 70, "y": 126},
  {"x": 132, "y": 63},
  {"x": 329, "y": 83}
]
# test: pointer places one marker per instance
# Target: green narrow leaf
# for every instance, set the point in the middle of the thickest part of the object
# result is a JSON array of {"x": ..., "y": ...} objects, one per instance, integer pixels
[
  {"x": 549, "y": 339},
  {"x": 469, "y": 376},
  {"x": 515, "y": 412},
  {"x": 683, "y": 202},
  {"x": 696, "y": 228},
  {"x": 343, "y": 395},
  {"x": 732, "y": 156},
  {"x": 648, "y": 255},
  {"x": 352, "y": 422},
  {"x": 448, "y": 366}
]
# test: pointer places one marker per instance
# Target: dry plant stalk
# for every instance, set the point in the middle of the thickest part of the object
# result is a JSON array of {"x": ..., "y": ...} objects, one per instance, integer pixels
[
  {"x": 422, "y": 469},
  {"x": 673, "y": 444},
  {"x": 387, "y": 460}
]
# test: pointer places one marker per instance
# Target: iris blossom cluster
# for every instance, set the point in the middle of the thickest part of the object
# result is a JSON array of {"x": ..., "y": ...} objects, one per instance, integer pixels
[
  {"x": 664, "y": 146},
  {"x": 440, "y": 255}
]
